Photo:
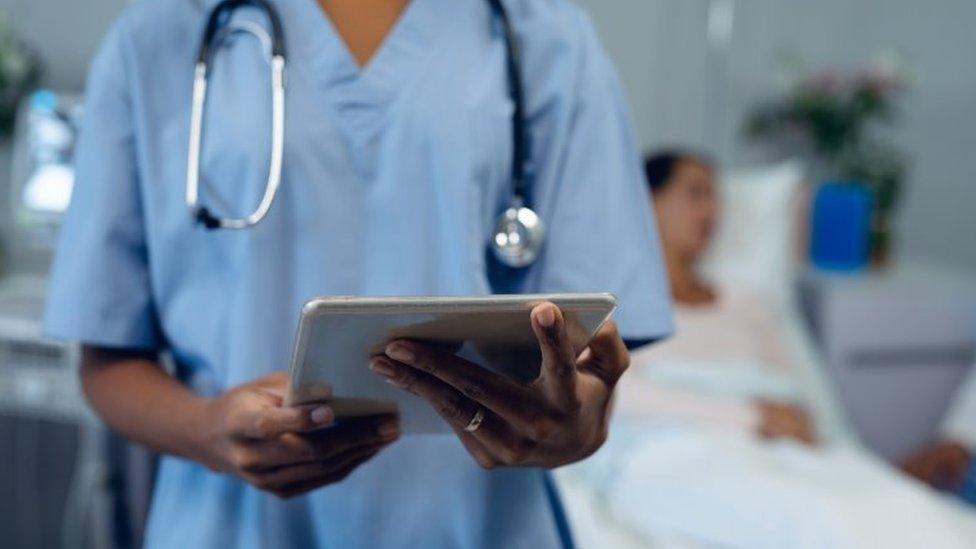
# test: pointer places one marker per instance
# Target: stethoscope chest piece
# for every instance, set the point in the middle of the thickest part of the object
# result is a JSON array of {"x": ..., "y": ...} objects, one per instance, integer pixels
[{"x": 519, "y": 235}]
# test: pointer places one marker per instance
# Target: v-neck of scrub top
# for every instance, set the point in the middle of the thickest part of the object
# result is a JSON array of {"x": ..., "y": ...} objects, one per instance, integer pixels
[{"x": 360, "y": 96}]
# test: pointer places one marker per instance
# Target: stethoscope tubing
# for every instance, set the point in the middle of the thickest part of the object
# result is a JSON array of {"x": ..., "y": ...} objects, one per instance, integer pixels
[
  {"x": 275, "y": 50},
  {"x": 519, "y": 232},
  {"x": 277, "y": 150}
]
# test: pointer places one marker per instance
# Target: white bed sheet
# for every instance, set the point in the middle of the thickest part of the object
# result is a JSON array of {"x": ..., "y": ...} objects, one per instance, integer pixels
[{"x": 659, "y": 485}]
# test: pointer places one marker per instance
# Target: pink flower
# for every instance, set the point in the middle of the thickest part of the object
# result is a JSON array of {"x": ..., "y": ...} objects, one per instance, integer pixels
[
  {"x": 826, "y": 82},
  {"x": 880, "y": 80}
]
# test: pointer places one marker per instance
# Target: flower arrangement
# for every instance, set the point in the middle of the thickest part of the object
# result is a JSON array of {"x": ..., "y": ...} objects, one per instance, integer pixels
[
  {"x": 20, "y": 70},
  {"x": 834, "y": 117}
]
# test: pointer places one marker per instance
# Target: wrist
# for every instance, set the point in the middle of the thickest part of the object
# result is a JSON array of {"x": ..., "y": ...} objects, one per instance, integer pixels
[{"x": 199, "y": 441}]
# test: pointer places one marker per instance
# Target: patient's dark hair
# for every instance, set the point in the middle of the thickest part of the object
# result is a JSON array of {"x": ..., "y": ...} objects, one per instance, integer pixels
[{"x": 659, "y": 166}]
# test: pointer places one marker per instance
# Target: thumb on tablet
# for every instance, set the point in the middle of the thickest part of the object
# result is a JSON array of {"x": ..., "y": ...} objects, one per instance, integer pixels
[{"x": 558, "y": 358}]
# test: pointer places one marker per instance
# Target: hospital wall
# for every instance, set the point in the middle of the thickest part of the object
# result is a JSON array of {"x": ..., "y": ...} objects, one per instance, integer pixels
[
  {"x": 685, "y": 91},
  {"x": 691, "y": 86}
]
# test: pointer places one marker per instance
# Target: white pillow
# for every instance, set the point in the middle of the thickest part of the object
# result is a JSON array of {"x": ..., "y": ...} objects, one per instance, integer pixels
[{"x": 756, "y": 236}]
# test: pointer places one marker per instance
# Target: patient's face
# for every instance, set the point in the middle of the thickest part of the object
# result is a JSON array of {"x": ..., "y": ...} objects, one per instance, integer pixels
[{"x": 687, "y": 209}]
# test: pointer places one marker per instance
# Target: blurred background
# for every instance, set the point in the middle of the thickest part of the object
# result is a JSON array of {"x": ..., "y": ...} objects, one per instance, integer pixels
[{"x": 840, "y": 135}]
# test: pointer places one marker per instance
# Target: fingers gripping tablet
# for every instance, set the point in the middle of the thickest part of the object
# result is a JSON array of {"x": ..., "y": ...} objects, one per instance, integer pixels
[{"x": 337, "y": 337}]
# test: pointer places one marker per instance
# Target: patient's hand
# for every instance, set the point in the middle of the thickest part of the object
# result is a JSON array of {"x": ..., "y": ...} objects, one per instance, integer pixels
[
  {"x": 941, "y": 465},
  {"x": 781, "y": 420}
]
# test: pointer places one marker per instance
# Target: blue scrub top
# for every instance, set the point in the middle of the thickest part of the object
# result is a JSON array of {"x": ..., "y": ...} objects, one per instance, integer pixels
[{"x": 394, "y": 175}]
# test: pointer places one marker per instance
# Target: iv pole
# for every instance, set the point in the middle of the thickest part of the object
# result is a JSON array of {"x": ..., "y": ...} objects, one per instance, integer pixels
[{"x": 719, "y": 33}]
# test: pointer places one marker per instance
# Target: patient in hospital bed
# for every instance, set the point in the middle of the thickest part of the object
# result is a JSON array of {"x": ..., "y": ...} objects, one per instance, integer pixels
[
  {"x": 726, "y": 366},
  {"x": 713, "y": 444}
]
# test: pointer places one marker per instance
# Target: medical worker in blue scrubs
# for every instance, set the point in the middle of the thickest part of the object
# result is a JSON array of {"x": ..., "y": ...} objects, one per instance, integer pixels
[{"x": 396, "y": 164}]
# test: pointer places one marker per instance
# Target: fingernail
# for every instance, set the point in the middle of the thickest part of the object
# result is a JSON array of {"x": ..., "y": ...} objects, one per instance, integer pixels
[
  {"x": 381, "y": 367},
  {"x": 546, "y": 317},
  {"x": 400, "y": 353},
  {"x": 388, "y": 429},
  {"x": 321, "y": 415},
  {"x": 396, "y": 383}
]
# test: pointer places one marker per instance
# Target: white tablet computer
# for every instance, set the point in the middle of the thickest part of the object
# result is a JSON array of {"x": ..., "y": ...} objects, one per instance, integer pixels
[{"x": 338, "y": 335}]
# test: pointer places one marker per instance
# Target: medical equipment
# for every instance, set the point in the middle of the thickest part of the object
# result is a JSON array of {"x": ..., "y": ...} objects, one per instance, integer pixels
[
  {"x": 519, "y": 232},
  {"x": 56, "y": 477},
  {"x": 42, "y": 174}
]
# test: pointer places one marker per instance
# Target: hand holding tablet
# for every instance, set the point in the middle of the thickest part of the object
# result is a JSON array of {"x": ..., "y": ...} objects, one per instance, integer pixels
[
  {"x": 542, "y": 412},
  {"x": 339, "y": 336},
  {"x": 558, "y": 418},
  {"x": 511, "y": 399}
]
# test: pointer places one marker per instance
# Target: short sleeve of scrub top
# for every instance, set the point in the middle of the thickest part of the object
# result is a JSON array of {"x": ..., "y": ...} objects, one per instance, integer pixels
[
  {"x": 100, "y": 289},
  {"x": 394, "y": 175}
]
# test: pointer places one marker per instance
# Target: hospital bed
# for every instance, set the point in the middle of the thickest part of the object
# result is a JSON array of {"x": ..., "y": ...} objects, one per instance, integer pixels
[{"x": 656, "y": 484}]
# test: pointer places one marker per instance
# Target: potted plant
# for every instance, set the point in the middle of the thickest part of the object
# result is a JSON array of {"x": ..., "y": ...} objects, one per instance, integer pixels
[
  {"x": 834, "y": 118},
  {"x": 20, "y": 70}
]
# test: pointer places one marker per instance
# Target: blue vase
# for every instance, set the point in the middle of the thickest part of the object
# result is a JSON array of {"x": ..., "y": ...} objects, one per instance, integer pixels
[{"x": 841, "y": 220}]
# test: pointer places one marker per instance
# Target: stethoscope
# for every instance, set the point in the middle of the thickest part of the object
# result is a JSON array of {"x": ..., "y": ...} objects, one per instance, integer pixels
[{"x": 519, "y": 232}]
